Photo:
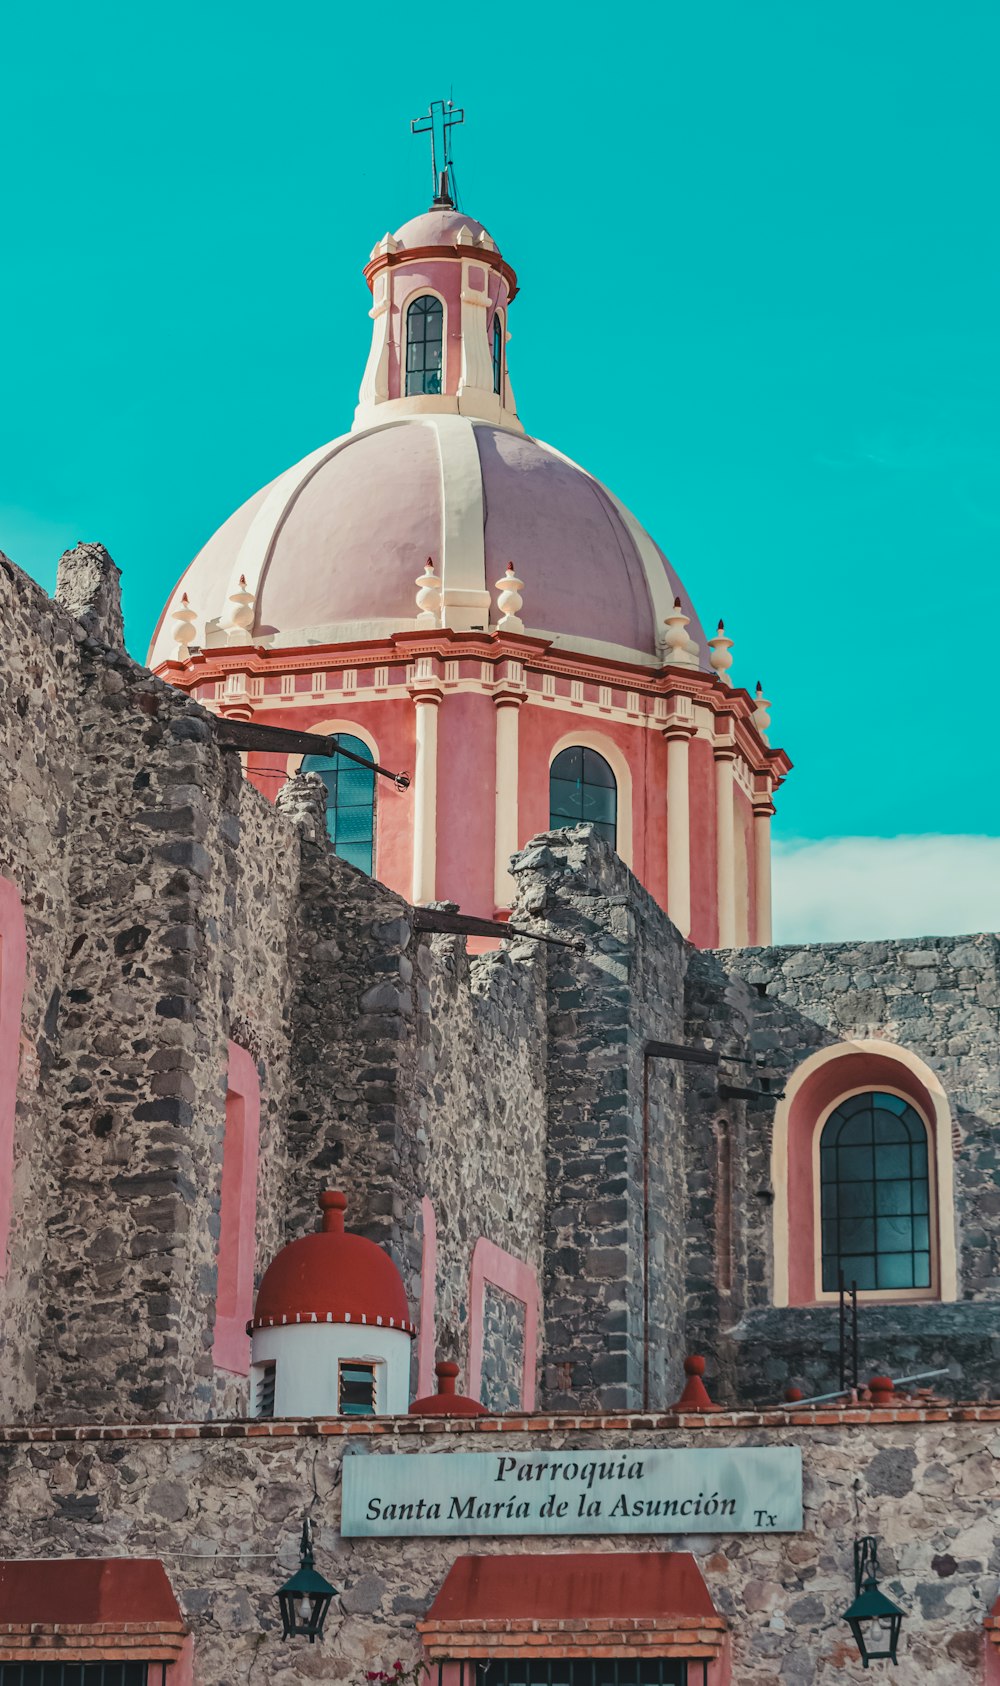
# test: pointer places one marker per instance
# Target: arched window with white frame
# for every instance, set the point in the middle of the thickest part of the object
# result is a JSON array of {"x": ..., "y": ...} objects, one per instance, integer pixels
[
  {"x": 583, "y": 790},
  {"x": 875, "y": 1195},
  {"x": 350, "y": 800},
  {"x": 863, "y": 1177},
  {"x": 424, "y": 345}
]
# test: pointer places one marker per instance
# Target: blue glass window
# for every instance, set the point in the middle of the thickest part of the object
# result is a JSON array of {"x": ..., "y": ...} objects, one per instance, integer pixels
[
  {"x": 350, "y": 801},
  {"x": 424, "y": 345},
  {"x": 582, "y": 788},
  {"x": 875, "y": 1195},
  {"x": 497, "y": 354}
]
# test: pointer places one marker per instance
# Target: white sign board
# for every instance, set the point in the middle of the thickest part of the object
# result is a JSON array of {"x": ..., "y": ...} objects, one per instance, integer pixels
[{"x": 727, "y": 1490}]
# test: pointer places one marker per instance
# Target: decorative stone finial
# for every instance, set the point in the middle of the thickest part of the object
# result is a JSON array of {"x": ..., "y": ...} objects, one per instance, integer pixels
[
  {"x": 695, "y": 1395},
  {"x": 720, "y": 658},
  {"x": 333, "y": 1205},
  {"x": 240, "y": 616},
  {"x": 761, "y": 714},
  {"x": 678, "y": 649},
  {"x": 428, "y": 597},
  {"x": 510, "y": 601},
  {"x": 883, "y": 1393},
  {"x": 184, "y": 628}
]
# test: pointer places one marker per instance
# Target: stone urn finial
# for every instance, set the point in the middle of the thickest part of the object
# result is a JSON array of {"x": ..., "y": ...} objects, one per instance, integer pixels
[
  {"x": 428, "y": 597},
  {"x": 720, "y": 658},
  {"x": 509, "y": 601},
  {"x": 184, "y": 628},
  {"x": 678, "y": 649}
]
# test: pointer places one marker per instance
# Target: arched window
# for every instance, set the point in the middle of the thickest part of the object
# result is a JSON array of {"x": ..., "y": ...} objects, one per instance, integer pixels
[
  {"x": 497, "y": 354},
  {"x": 875, "y": 1195},
  {"x": 424, "y": 345},
  {"x": 350, "y": 801},
  {"x": 582, "y": 788}
]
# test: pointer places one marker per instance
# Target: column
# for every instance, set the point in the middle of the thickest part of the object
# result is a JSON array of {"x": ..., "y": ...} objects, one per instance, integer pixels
[
  {"x": 427, "y": 702},
  {"x": 725, "y": 753},
  {"x": 508, "y": 705},
  {"x": 763, "y": 808},
  {"x": 678, "y": 734}
]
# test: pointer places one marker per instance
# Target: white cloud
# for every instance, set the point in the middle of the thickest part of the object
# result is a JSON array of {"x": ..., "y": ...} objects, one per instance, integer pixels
[{"x": 862, "y": 888}]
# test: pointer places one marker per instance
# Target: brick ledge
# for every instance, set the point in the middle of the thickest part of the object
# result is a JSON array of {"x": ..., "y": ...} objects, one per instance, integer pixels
[{"x": 859, "y": 1416}]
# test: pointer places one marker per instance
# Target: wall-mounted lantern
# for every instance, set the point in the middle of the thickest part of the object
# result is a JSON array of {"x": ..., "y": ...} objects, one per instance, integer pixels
[
  {"x": 306, "y": 1598},
  {"x": 873, "y": 1618}
]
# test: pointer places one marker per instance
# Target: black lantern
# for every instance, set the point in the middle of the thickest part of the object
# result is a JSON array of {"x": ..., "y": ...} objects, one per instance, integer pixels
[
  {"x": 306, "y": 1598},
  {"x": 873, "y": 1618}
]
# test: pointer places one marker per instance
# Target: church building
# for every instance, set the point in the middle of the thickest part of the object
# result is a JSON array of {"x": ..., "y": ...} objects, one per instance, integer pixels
[{"x": 442, "y": 1240}]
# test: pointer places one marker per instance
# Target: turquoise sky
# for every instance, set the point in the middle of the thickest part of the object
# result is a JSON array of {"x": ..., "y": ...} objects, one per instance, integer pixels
[{"x": 758, "y": 251}]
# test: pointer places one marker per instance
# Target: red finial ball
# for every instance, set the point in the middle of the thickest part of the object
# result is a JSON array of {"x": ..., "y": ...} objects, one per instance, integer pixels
[
  {"x": 694, "y": 1366},
  {"x": 333, "y": 1204},
  {"x": 792, "y": 1394}
]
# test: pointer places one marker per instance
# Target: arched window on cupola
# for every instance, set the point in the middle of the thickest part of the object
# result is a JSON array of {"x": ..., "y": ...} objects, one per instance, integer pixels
[
  {"x": 875, "y": 1195},
  {"x": 497, "y": 354},
  {"x": 424, "y": 345},
  {"x": 350, "y": 800},
  {"x": 583, "y": 790}
]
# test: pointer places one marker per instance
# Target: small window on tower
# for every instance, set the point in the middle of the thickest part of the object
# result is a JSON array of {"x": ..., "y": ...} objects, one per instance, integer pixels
[
  {"x": 424, "y": 345},
  {"x": 357, "y": 1390},
  {"x": 265, "y": 1390},
  {"x": 497, "y": 354}
]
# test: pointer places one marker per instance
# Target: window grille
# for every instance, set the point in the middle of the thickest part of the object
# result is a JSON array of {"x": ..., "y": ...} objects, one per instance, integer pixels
[
  {"x": 424, "y": 345},
  {"x": 350, "y": 801},
  {"x": 875, "y": 1195},
  {"x": 579, "y": 1671},
  {"x": 83, "y": 1674},
  {"x": 582, "y": 788},
  {"x": 357, "y": 1390},
  {"x": 265, "y": 1390}
]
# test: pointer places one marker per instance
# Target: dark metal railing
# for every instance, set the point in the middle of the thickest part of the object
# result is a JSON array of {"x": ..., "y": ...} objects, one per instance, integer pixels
[
  {"x": 83, "y": 1674},
  {"x": 848, "y": 1335}
]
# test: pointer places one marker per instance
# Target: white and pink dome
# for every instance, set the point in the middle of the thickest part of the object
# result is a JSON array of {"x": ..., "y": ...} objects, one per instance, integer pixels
[
  {"x": 330, "y": 550},
  {"x": 548, "y": 662}
]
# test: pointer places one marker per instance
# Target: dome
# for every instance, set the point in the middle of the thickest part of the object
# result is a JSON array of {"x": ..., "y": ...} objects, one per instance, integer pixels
[
  {"x": 439, "y": 227},
  {"x": 331, "y": 549},
  {"x": 332, "y": 1277}
]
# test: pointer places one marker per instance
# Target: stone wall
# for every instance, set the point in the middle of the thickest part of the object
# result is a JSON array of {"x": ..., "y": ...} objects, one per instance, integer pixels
[
  {"x": 223, "y": 1507},
  {"x": 157, "y": 884}
]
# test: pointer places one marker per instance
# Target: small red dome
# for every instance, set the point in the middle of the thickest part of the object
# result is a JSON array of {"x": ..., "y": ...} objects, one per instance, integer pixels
[
  {"x": 332, "y": 1277},
  {"x": 446, "y": 1402}
]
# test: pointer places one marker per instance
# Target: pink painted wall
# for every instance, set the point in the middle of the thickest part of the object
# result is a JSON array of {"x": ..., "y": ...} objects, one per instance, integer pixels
[
  {"x": 13, "y": 969},
  {"x": 237, "y": 1214},
  {"x": 466, "y": 829},
  {"x": 744, "y": 819},
  {"x": 820, "y": 1090},
  {"x": 426, "y": 1379},
  {"x": 491, "y": 1263},
  {"x": 704, "y": 859}
]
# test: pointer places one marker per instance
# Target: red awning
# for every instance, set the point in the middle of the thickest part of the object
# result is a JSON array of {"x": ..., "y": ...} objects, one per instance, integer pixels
[
  {"x": 88, "y": 1608},
  {"x": 650, "y": 1602}
]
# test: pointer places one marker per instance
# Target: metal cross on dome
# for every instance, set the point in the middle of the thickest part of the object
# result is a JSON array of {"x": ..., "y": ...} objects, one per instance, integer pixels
[{"x": 438, "y": 122}]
